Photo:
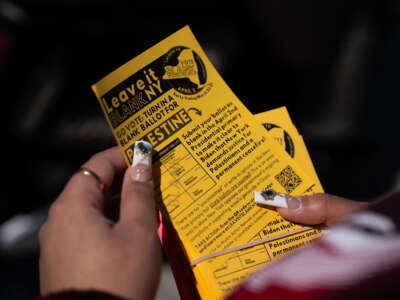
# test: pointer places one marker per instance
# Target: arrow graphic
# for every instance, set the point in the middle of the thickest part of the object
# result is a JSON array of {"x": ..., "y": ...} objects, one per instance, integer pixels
[{"x": 196, "y": 111}]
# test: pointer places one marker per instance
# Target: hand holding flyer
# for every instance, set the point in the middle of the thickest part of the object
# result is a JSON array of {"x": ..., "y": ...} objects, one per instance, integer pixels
[{"x": 211, "y": 154}]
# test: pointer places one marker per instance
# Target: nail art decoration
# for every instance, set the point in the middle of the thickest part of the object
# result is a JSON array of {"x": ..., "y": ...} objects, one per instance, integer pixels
[
  {"x": 271, "y": 198},
  {"x": 142, "y": 153}
]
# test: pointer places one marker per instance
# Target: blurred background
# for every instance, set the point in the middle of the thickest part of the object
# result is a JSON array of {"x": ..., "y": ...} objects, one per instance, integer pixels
[{"x": 333, "y": 63}]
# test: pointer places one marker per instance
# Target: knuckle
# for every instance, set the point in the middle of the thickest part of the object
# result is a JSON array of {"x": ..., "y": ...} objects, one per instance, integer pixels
[
  {"x": 95, "y": 157},
  {"x": 56, "y": 209},
  {"x": 99, "y": 157},
  {"x": 320, "y": 202},
  {"x": 316, "y": 201}
]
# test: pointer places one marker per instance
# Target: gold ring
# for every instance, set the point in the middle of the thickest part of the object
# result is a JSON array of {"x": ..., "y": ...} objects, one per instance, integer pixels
[{"x": 88, "y": 172}]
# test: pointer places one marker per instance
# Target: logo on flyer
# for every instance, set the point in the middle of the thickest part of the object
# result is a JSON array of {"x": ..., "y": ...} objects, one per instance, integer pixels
[
  {"x": 281, "y": 136},
  {"x": 185, "y": 71}
]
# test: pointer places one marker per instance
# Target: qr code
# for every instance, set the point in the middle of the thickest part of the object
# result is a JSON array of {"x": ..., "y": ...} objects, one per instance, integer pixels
[{"x": 288, "y": 179}]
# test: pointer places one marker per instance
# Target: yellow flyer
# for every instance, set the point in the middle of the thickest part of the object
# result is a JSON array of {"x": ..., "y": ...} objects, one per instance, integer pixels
[
  {"x": 211, "y": 154},
  {"x": 278, "y": 123}
]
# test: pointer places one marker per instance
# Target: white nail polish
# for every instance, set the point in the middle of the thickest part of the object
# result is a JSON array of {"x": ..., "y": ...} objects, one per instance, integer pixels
[
  {"x": 142, "y": 153},
  {"x": 277, "y": 200}
]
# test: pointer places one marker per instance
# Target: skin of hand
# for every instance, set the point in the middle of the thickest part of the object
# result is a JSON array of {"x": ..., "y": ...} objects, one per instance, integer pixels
[
  {"x": 320, "y": 209},
  {"x": 81, "y": 249}
]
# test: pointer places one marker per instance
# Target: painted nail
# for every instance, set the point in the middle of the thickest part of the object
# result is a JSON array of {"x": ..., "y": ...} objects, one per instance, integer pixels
[
  {"x": 271, "y": 198},
  {"x": 141, "y": 164},
  {"x": 142, "y": 153}
]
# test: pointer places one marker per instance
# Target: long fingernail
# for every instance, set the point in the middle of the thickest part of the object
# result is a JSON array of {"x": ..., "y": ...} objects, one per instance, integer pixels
[
  {"x": 272, "y": 198},
  {"x": 293, "y": 202},
  {"x": 142, "y": 153},
  {"x": 141, "y": 164}
]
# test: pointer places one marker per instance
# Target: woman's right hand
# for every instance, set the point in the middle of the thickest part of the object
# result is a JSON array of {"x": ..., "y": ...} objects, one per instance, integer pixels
[{"x": 320, "y": 209}]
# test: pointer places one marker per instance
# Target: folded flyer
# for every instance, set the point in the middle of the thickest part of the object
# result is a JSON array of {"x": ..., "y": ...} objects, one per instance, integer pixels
[{"x": 211, "y": 154}]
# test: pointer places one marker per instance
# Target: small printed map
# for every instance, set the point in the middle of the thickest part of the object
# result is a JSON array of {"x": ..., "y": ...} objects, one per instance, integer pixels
[{"x": 186, "y": 68}]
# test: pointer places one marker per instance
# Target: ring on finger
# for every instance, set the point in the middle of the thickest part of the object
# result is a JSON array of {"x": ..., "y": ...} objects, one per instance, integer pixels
[{"x": 88, "y": 172}]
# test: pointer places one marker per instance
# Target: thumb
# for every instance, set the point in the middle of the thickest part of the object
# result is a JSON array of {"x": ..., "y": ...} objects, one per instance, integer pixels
[
  {"x": 137, "y": 196},
  {"x": 319, "y": 209}
]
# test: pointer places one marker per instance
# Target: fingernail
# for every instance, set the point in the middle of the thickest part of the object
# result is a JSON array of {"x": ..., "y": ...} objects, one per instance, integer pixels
[
  {"x": 142, "y": 153},
  {"x": 271, "y": 198},
  {"x": 294, "y": 202},
  {"x": 141, "y": 163}
]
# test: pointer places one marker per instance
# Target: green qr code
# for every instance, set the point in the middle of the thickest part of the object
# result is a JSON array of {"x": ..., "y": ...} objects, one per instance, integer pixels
[{"x": 289, "y": 179}]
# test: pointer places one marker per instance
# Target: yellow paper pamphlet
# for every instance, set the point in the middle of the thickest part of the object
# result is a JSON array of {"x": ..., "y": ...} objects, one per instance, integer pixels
[
  {"x": 211, "y": 154},
  {"x": 279, "y": 124}
]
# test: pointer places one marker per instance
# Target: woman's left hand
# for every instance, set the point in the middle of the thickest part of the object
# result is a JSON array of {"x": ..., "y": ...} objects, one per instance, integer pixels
[{"x": 81, "y": 249}]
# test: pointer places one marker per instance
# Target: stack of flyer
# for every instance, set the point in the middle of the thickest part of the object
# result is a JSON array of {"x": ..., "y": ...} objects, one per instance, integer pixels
[{"x": 211, "y": 155}]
